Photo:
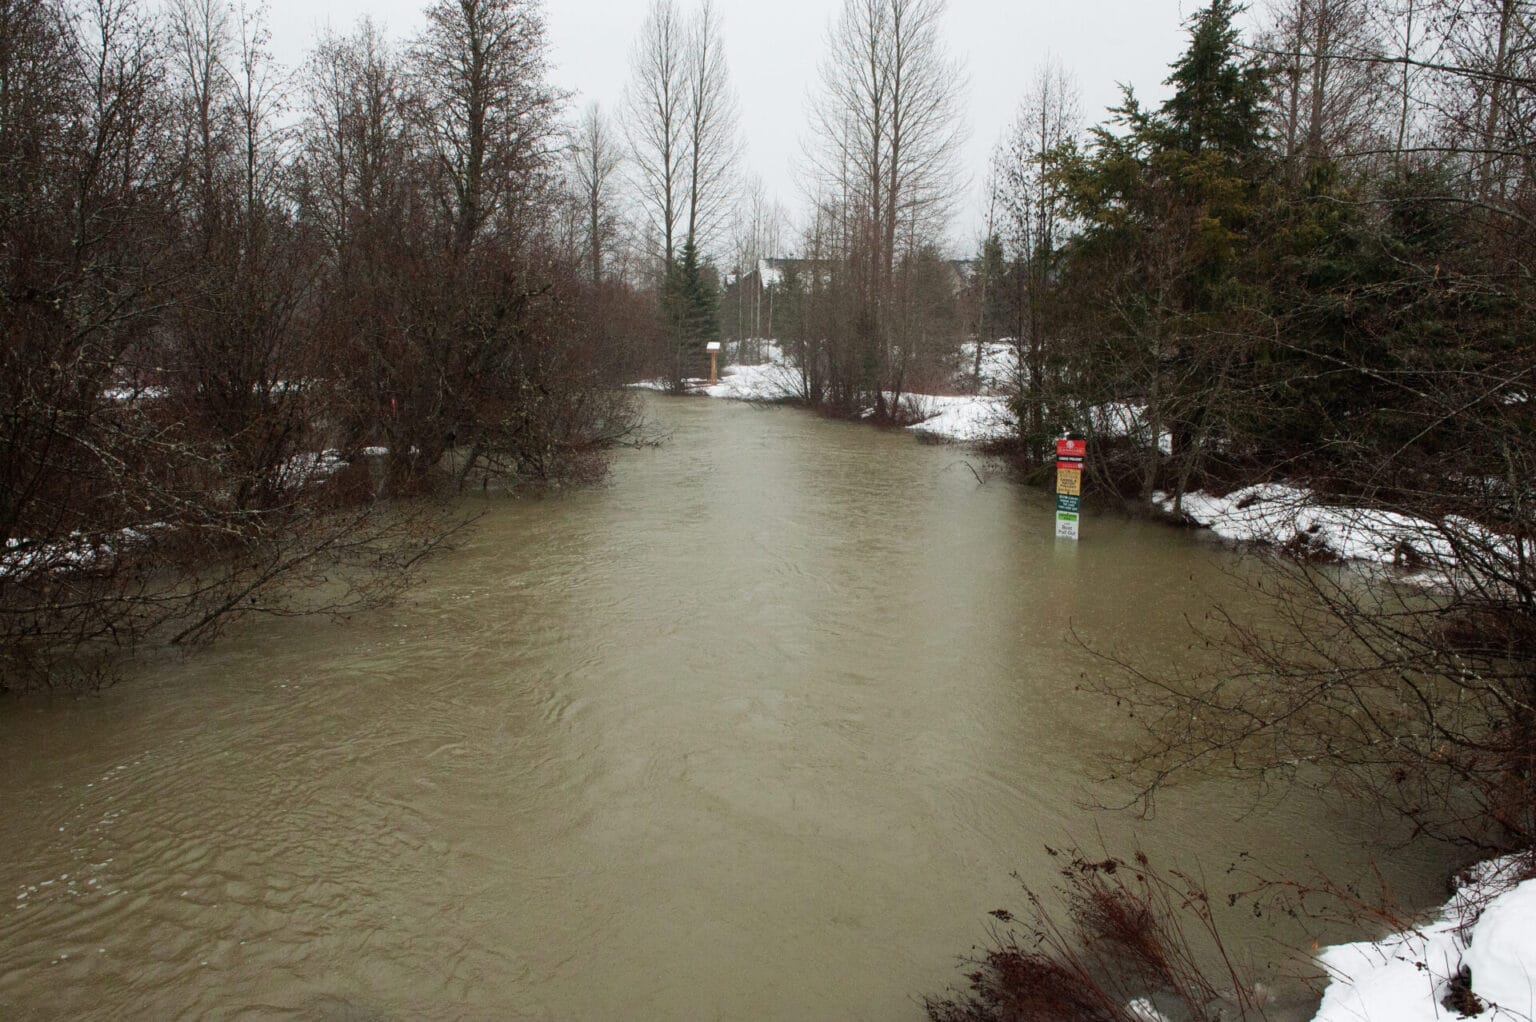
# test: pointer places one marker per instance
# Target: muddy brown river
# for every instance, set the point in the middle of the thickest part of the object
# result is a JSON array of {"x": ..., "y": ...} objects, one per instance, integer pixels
[{"x": 756, "y": 729}]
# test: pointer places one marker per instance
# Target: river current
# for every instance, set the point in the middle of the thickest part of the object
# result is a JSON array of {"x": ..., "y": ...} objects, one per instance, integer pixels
[{"x": 758, "y": 728}]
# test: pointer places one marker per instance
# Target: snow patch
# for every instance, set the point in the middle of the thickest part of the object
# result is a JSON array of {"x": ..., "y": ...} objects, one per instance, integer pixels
[
  {"x": 1489, "y": 926},
  {"x": 1124, "y": 419},
  {"x": 310, "y": 467},
  {"x": 964, "y": 419},
  {"x": 1282, "y": 515},
  {"x": 127, "y": 395},
  {"x": 1143, "y": 1010},
  {"x": 75, "y": 553},
  {"x": 1503, "y": 953},
  {"x": 999, "y": 366},
  {"x": 774, "y": 380}
]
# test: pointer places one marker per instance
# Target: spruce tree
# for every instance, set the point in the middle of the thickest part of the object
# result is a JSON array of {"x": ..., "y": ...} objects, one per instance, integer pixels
[
  {"x": 1218, "y": 96},
  {"x": 690, "y": 306},
  {"x": 1176, "y": 207}
]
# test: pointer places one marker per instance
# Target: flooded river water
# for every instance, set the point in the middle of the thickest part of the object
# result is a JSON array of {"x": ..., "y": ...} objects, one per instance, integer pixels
[{"x": 756, "y": 729}]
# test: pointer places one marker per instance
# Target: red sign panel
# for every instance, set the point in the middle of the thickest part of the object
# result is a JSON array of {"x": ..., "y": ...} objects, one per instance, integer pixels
[{"x": 1071, "y": 453}]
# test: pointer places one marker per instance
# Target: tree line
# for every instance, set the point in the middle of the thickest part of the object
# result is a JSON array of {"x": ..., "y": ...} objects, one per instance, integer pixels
[
  {"x": 1296, "y": 258},
  {"x": 245, "y": 310},
  {"x": 1214, "y": 287}
]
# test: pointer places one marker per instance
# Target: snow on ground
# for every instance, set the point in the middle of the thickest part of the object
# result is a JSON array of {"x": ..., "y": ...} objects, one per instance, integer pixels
[
  {"x": 999, "y": 365},
  {"x": 1489, "y": 926},
  {"x": 1287, "y": 515},
  {"x": 126, "y": 395},
  {"x": 310, "y": 467},
  {"x": 774, "y": 380},
  {"x": 963, "y": 419},
  {"x": 79, "y": 551},
  {"x": 1120, "y": 418}
]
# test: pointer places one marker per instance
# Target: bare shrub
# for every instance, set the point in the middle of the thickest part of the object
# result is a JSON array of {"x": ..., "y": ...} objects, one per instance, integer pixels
[{"x": 1138, "y": 943}]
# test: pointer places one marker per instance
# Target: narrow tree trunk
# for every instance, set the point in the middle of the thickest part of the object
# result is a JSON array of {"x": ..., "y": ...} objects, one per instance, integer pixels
[
  {"x": 1321, "y": 41},
  {"x": 1492, "y": 185},
  {"x": 1402, "y": 122}
]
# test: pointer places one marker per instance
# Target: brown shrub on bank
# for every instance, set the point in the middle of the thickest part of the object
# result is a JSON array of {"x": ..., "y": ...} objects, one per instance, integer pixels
[{"x": 1138, "y": 944}]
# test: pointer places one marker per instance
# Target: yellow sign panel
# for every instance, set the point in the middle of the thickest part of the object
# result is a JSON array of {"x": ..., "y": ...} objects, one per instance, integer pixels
[{"x": 1070, "y": 481}]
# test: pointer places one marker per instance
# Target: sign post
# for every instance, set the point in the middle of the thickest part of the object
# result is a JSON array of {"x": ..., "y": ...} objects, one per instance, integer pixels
[
  {"x": 1071, "y": 455},
  {"x": 713, "y": 347}
]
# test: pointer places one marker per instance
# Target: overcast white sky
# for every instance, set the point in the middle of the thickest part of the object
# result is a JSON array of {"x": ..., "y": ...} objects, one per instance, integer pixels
[{"x": 774, "y": 47}]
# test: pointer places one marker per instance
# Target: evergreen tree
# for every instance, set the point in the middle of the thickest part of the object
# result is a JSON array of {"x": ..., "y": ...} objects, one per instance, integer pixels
[
  {"x": 690, "y": 304},
  {"x": 1218, "y": 97},
  {"x": 1176, "y": 206},
  {"x": 992, "y": 284}
]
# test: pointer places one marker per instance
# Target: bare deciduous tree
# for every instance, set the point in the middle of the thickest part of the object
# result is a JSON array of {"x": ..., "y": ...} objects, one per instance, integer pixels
[
  {"x": 757, "y": 233},
  {"x": 1034, "y": 222},
  {"x": 656, "y": 102},
  {"x": 887, "y": 124},
  {"x": 711, "y": 128},
  {"x": 595, "y": 158},
  {"x": 487, "y": 108},
  {"x": 1327, "y": 100}
]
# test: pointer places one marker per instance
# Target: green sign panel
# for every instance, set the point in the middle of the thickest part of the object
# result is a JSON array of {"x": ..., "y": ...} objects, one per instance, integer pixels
[{"x": 1067, "y": 502}]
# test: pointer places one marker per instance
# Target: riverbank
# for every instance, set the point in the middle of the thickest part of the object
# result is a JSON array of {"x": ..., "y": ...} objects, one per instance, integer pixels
[
  {"x": 1278, "y": 515},
  {"x": 1476, "y": 959},
  {"x": 961, "y": 418}
]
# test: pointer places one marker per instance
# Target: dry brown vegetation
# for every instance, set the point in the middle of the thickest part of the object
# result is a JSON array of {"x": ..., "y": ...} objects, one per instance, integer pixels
[{"x": 1134, "y": 938}]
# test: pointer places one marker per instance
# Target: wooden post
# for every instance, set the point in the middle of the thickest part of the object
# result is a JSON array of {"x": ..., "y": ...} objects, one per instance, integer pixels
[{"x": 714, "y": 355}]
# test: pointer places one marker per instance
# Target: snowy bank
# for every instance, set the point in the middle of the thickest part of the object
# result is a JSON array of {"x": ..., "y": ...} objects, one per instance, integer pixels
[
  {"x": 1488, "y": 928},
  {"x": 999, "y": 366},
  {"x": 1452, "y": 551},
  {"x": 774, "y": 380},
  {"x": 79, "y": 552},
  {"x": 1289, "y": 516},
  {"x": 964, "y": 419}
]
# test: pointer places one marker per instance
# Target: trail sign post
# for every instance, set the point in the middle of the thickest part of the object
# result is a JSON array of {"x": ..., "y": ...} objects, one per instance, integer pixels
[
  {"x": 1071, "y": 456},
  {"x": 713, "y": 347}
]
